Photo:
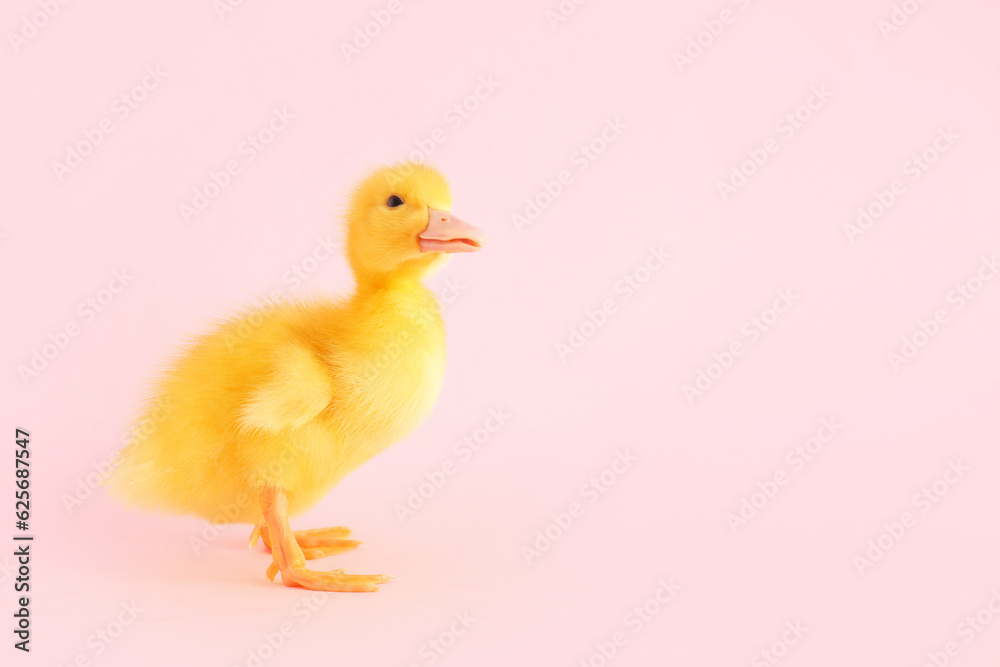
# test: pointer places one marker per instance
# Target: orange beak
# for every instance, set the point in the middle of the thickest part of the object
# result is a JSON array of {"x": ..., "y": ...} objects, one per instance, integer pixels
[{"x": 448, "y": 233}]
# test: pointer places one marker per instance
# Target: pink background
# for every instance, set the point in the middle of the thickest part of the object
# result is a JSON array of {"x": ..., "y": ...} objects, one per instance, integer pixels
[{"x": 664, "y": 518}]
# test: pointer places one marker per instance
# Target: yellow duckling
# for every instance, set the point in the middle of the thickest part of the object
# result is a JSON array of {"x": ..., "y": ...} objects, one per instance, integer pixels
[{"x": 264, "y": 415}]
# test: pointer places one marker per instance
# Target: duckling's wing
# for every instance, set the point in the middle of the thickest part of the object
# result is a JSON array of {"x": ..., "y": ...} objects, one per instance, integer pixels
[{"x": 299, "y": 387}]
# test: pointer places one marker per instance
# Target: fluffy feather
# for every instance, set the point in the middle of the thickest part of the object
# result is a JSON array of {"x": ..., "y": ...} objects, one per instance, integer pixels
[{"x": 299, "y": 394}]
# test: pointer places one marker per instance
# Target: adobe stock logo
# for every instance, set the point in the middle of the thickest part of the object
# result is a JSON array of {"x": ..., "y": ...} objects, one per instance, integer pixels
[
  {"x": 464, "y": 450},
  {"x": 435, "y": 647},
  {"x": 914, "y": 167},
  {"x": 249, "y": 148},
  {"x": 899, "y": 17},
  {"x": 102, "y": 639},
  {"x": 593, "y": 490},
  {"x": 562, "y": 12},
  {"x": 88, "y": 311},
  {"x": 787, "y": 126},
  {"x": 583, "y": 157},
  {"x": 698, "y": 43},
  {"x": 752, "y": 329},
  {"x": 454, "y": 117},
  {"x": 635, "y": 620},
  {"x": 928, "y": 329},
  {"x": 364, "y": 35},
  {"x": 225, "y": 7},
  {"x": 595, "y": 319},
  {"x": 796, "y": 458},
  {"x": 970, "y": 628},
  {"x": 924, "y": 501},
  {"x": 779, "y": 649},
  {"x": 30, "y": 25},
  {"x": 121, "y": 108}
]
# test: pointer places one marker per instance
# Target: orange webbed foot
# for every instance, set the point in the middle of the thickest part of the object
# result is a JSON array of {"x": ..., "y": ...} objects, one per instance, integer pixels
[
  {"x": 315, "y": 543},
  {"x": 335, "y": 580},
  {"x": 289, "y": 551}
]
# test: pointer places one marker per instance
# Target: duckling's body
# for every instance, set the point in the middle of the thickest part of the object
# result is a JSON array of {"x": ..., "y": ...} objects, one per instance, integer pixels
[
  {"x": 305, "y": 395},
  {"x": 264, "y": 415}
]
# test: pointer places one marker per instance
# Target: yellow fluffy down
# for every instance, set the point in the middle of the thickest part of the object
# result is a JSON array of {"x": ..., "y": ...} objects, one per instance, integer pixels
[{"x": 295, "y": 397}]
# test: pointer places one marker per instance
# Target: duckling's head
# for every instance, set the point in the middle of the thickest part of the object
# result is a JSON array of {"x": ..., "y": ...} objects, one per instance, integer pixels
[{"x": 399, "y": 224}]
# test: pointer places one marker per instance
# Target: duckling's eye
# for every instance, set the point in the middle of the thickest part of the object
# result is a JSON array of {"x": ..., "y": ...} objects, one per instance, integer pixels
[{"x": 393, "y": 201}]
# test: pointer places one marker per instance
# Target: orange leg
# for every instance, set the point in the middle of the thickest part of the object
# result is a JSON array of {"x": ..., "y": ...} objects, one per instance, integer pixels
[
  {"x": 315, "y": 543},
  {"x": 288, "y": 557}
]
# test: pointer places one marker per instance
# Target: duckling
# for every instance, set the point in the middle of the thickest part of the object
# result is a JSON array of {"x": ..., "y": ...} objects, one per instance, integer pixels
[{"x": 262, "y": 416}]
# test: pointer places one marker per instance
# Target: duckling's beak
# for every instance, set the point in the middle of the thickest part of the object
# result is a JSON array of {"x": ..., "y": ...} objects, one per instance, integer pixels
[{"x": 448, "y": 233}]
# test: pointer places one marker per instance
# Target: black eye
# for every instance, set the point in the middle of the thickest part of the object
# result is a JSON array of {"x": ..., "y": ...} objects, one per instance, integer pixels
[{"x": 393, "y": 201}]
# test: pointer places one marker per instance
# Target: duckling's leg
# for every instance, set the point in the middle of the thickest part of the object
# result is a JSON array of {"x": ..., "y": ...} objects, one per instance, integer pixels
[
  {"x": 315, "y": 543},
  {"x": 289, "y": 560}
]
